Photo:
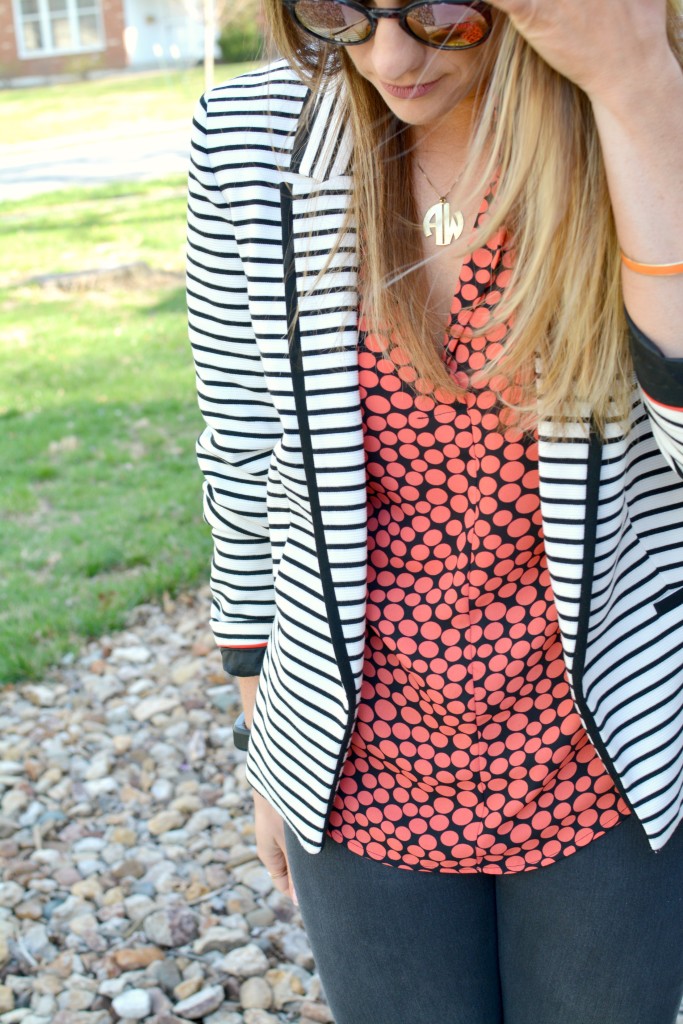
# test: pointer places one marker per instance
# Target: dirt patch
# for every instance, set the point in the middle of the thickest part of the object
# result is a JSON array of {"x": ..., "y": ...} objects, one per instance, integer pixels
[{"x": 130, "y": 275}]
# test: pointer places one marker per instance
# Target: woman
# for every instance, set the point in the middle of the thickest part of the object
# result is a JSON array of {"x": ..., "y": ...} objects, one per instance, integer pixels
[{"x": 447, "y": 565}]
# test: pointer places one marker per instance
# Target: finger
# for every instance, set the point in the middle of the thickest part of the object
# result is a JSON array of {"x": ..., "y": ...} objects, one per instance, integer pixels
[
  {"x": 275, "y": 862},
  {"x": 282, "y": 880},
  {"x": 270, "y": 845}
]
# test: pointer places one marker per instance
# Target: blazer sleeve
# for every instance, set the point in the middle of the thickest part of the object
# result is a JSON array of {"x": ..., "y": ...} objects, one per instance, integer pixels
[
  {"x": 234, "y": 449},
  {"x": 661, "y": 384}
]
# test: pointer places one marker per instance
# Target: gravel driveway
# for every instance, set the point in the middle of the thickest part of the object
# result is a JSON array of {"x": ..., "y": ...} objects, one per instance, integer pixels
[{"x": 129, "y": 884}]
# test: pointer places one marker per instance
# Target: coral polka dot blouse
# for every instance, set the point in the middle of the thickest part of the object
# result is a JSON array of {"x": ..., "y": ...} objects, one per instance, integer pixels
[{"x": 468, "y": 753}]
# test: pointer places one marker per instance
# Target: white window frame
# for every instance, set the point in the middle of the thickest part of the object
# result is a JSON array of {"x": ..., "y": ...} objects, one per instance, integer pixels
[{"x": 49, "y": 49}]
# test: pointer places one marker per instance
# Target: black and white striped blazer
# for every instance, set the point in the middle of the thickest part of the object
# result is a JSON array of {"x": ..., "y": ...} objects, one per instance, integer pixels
[{"x": 283, "y": 461}]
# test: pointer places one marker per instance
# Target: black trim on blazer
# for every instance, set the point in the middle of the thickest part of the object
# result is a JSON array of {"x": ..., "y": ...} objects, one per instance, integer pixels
[
  {"x": 593, "y": 468},
  {"x": 301, "y": 137},
  {"x": 299, "y": 388},
  {"x": 670, "y": 602}
]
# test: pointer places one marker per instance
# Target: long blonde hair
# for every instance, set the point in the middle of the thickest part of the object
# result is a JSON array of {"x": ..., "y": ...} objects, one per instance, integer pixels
[{"x": 536, "y": 133}]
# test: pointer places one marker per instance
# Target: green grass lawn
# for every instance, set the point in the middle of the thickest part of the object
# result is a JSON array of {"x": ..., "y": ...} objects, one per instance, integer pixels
[
  {"x": 110, "y": 104},
  {"x": 100, "y": 497}
]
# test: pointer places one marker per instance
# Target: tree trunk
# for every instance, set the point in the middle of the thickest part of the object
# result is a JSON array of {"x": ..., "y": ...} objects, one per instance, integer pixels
[{"x": 209, "y": 42}]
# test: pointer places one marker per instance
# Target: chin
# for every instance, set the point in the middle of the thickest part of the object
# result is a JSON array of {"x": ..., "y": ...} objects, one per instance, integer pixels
[
  {"x": 415, "y": 121},
  {"x": 409, "y": 113}
]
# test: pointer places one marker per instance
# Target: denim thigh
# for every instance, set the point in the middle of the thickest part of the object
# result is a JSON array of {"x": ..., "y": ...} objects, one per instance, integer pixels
[
  {"x": 395, "y": 946},
  {"x": 596, "y": 938}
]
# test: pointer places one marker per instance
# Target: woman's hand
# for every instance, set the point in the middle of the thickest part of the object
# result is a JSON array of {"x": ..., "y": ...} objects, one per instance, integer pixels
[
  {"x": 270, "y": 844},
  {"x": 270, "y": 829},
  {"x": 618, "y": 52},
  {"x": 595, "y": 43}
]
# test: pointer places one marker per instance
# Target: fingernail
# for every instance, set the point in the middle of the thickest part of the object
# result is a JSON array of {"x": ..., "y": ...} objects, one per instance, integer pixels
[{"x": 295, "y": 900}]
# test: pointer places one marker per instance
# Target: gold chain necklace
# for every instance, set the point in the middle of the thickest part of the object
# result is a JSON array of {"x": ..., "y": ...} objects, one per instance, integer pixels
[{"x": 446, "y": 226}]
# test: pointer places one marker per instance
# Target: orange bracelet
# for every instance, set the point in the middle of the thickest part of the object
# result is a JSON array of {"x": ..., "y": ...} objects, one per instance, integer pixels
[{"x": 652, "y": 269}]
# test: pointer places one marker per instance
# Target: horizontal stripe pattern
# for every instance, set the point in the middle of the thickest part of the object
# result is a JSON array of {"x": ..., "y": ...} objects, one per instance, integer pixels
[{"x": 288, "y": 542}]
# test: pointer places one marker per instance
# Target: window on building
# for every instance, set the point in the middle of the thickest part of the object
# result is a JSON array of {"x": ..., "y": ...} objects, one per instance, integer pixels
[{"x": 58, "y": 26}]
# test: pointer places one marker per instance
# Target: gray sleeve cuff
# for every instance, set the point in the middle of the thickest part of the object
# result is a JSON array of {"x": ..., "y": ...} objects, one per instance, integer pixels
[
  {"x": 660, "y": 376},
  {"x": 241, "y": 661}
]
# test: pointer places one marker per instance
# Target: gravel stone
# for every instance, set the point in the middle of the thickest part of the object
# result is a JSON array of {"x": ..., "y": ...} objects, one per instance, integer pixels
[
  {"x": 201, "y": 1003},
  {"x": 167, "y": 974},
  {"x": 11, "y": 894},
  {"x": 154, "y": 706},
  {"x": 258, "y": 880},
  {"x": 41, "y": 696},
  {"x": 137, "y": 655},
  {"x": 174, "y": 925},
  {"x": 256, "y": 994},
  {"x": 259, "y": 1017},
  {"x": 317, "y": 1013},
  {"x": 134, "y": 959},
  {"x": 37, "y": 942},
  {"x": 8, "y": 826},
  {"x": 187, "y": 988},
  {"x": 260, "y": 917},
  {"x": 162, "y": 790},
  {"x": 134, "y": 1004},
  {"x": 221, "y": 940},
  {"x": 164, "y": 821},
  {"x": 294, "y": 945},
  {"x": 245, "y": 961},
  {"x": 138, "y": 906},
  {"x": 288, "y": 983},
  {"x": 6, "y": 999}
]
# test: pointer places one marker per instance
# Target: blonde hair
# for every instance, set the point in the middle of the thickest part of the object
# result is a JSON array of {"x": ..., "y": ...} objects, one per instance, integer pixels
[{"x": 537, "y": 134}]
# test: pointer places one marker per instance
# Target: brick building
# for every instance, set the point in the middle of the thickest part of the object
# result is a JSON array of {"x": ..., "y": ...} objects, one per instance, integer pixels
[{"x": 40, "y": 38}]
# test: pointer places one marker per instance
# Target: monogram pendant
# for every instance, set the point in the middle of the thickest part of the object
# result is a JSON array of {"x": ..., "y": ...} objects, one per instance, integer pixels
[{"x": 439, "y": 220}]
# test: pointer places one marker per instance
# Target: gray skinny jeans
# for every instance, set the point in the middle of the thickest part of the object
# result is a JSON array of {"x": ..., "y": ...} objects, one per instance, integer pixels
[{"x": 596, "y": 938}]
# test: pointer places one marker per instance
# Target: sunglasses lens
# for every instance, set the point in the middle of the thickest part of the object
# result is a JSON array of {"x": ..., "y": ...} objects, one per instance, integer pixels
[
  {"x": 451, "y": 26},
  {"x": 329, "y": 19}
]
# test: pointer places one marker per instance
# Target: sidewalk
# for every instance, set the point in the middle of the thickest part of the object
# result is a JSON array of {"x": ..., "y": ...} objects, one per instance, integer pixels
[{"x": 146, "y": 152}]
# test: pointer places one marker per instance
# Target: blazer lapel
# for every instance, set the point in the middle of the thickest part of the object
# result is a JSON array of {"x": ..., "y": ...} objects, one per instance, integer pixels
[{"x": 323, "y": 337}]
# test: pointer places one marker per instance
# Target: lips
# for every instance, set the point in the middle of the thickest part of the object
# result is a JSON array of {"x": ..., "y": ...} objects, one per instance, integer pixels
[{"x": 409, "y": 92}]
